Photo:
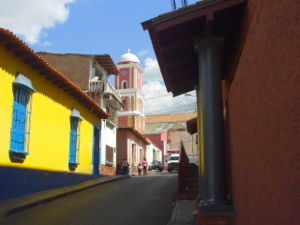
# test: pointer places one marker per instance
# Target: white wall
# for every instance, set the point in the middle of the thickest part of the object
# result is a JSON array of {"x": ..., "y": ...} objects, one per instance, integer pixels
[
  {"x": 149, "y": 153},
  {"x": 108, "y": 137}
]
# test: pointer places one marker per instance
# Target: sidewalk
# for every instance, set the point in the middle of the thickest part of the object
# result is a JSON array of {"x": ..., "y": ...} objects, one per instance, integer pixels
[
  {"x": 184, "y": 210},
  {"x": 183, "y": 213},
  {"x": 19, "y": 203}
]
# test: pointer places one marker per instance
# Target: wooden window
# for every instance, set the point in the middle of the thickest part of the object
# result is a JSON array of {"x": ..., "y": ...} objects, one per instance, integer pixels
[{"x": 109, "y": 155}]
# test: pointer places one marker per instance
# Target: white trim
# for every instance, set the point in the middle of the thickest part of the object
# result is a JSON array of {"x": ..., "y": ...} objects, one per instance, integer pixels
[
  {"x": 130, "y": 65},
  {"x": 130, "y": 91},
  {"x": 92, "y": 70},
  {"x": 127, "y": 95},
  {"x": 130, "y": 113}
]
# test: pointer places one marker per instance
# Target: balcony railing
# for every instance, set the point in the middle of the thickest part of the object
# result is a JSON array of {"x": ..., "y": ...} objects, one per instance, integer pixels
[
  {"x": 103, "y": 86},
  {"x": 96, "y": 86},
  {"x": 110, "y": 89}
]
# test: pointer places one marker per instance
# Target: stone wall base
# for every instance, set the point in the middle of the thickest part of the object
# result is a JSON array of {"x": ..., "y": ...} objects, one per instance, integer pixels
[
  {"x": 214, "y": 219},
  {"x": 108, "y": 170}
]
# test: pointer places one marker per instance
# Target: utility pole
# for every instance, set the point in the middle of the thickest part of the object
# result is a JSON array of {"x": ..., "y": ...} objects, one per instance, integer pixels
[{"x": 183, "y": 3}]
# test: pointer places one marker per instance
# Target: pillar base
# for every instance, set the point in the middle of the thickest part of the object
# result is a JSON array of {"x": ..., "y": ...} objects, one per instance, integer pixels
[{"x": 215, "y": 215}]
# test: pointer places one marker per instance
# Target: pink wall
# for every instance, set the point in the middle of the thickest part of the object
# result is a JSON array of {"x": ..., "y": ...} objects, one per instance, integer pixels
[
  {"x": 126, "y": 107},
  {"x": 121, "y": 77},
  {"x": 140, "y": 81},
  {"x": 156, "y": 139},
  {"x": 122, "y": 121},
  {"x": 124, "y": 139}
]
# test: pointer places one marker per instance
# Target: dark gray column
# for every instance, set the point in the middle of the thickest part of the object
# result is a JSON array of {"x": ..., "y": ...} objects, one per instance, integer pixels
[{"x": 210, "y": 101}]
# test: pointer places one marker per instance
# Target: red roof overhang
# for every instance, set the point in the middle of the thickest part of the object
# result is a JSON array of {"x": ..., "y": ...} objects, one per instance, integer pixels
[
  {"x": 108, "y": 64},
  {"x": 173, "y": 36},
  {"x": 136, "y": 133},
  {"x": 21, "y": 50}
]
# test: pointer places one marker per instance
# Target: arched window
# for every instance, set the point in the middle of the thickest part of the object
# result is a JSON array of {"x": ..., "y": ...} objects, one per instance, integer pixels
[{"x": 124, "y": 84}]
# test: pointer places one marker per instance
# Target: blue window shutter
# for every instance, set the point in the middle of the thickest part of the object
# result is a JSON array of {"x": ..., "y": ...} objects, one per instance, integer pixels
[
  {"x": 74, "y": 140},
  {"x": 20, "y": 114}
]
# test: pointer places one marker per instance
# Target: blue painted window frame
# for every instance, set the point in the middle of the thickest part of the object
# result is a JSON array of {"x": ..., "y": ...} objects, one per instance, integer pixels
[
  {"x": 21, "y": 120},
  {"x": 74, "y": 141}
]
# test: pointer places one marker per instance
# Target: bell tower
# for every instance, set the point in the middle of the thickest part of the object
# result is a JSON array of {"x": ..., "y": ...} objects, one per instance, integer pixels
[{"x": 129, "y": 86}]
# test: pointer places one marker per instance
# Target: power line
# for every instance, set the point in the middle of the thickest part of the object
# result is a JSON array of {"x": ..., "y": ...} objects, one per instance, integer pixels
[
  {"x": 158, "y": 96},
  {"x": 174, "y": 6},
  {"x": 181, "y": 108}
]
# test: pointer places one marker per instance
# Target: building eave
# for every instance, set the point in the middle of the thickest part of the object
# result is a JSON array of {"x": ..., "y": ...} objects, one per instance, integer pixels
[
  {"x": 37, "y": 63},
  {"x": 136, "y": 133},
  {"x": 108, "y": 64},
  {"x": 173, "y": 36}
]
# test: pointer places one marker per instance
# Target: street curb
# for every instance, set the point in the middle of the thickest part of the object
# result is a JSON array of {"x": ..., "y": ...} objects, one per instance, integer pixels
[
  {"x": 183, "y": 213},
  {"x": 14, "y": 205}
]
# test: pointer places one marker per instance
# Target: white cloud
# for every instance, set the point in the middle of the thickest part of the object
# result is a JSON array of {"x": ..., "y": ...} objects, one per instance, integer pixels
[
  {"x": 28, "y": 18},
  {"x": 143, "y": 52},
  {"x": 151, "y": 70},
  {"x": 45, "y": 44},
  {"x": 157, "y": 99}
]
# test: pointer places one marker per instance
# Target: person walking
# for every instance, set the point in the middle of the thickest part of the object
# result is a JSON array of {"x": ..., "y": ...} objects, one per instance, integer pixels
[
  {"x": 145, "y": 166},
  {"x": 140, "y": 168},
  {"x": 125, "y": 167}
]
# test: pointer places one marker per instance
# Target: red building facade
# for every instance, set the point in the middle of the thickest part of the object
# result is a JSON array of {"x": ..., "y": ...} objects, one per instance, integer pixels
[{"x": 243, "y": 59}]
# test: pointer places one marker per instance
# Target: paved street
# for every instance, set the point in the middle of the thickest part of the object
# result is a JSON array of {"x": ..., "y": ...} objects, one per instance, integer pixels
[{"x": 134, "y": 201}]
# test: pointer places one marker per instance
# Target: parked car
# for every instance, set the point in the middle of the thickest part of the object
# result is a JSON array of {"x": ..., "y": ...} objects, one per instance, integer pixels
[
  {"x": 156, "y": 165},
  {"x": 173, "y": 162}
]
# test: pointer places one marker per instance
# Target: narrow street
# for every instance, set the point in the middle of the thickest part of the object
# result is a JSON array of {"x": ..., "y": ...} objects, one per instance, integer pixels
[{"x": 134, "y": 201}]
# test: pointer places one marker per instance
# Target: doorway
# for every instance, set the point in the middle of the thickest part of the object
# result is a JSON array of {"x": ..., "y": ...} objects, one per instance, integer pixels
[{"x": 96, "y": 152}]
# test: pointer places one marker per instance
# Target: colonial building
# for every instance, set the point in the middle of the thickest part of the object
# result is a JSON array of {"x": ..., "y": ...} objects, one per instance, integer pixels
[
  {"x": 242, "y": 57},
  {"x": 50, "y": 128},
  {"x": 132, "y": 119},
  {"x": 91, "y": 73},
  {"x": 168, "y": 131},
  {"x": 131, "y": 145},
  {"x": 129, "y": 86}
]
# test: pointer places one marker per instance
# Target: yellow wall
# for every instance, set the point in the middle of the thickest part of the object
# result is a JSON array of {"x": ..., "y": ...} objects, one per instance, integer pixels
[
  {"x": 200, "y": 135},
  {"x": 50, "y": 121}
]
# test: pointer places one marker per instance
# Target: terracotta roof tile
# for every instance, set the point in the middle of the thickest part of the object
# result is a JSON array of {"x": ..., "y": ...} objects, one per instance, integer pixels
[
  {"x": 21, "y": 50},
  {"x": 137, "y": 133},
  {"x": 170, "y": 118}
]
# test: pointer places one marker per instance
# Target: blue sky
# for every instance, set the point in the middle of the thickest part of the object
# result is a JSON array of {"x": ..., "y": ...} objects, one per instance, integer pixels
[
  {"x": 96, "y": 27},
  {"x": 105, "y": 26}
]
